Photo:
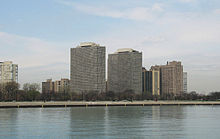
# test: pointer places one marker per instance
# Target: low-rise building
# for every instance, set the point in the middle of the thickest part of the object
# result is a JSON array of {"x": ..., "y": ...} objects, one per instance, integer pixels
[
  {"x": 48, "y": 86},
  {"x": 59, "y": 86}
]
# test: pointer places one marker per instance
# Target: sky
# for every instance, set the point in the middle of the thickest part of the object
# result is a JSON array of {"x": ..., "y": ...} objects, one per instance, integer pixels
[{"x": 38, "y": 34}]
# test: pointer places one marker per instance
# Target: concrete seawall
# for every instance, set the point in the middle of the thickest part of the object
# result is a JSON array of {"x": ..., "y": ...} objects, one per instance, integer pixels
[{"x": 100, "y": 103}]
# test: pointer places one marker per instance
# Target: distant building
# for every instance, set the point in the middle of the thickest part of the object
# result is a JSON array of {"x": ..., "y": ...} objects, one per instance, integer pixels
[
  {"x": 48, "y": 86},
  {"x": 171, "y": 78},
  {"x": 151, "y": 81},
  {"x": 87, "y": 70},
  {"x": 185, "y": 82},
  {"x": 8, "y": 72},
  {"x": 146, "y": 81},
  {"x": 125, "y": 71},
  {"x": 59, "y": 86},
  {"x": 155, "y": 81}
]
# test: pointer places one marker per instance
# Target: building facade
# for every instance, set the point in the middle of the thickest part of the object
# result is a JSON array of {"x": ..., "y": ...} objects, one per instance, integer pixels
[
  {"x": 185, "y": 82},
  {"x": 87, "y": 70},
  {"x": 59, "y": 86},
  {"x": 48, "y": 86},
  {"x": 125, "y": 71},
  {"x": 155, "y": 82},
  {"x": 171, "y": 78},
  {"x": 8, "y": 72},
  {"x": 146, "y": 81},
  {"x": 151, "y": 81}
]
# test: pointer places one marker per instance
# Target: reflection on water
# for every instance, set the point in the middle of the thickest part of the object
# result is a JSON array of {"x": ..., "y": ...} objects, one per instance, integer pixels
[
  {"x": 87, "y": 122},
  {"x": 7, "y": 119},
  {"x": 167, "y": 121},
  {"x": 111, "y": 122}
]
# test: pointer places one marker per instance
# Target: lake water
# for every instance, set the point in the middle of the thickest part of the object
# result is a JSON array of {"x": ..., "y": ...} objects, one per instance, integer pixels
[{"x": 167, "y": 122}]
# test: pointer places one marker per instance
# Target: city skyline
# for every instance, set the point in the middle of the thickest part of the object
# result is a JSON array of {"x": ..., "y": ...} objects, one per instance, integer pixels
[{"x": 38, "y": 35}]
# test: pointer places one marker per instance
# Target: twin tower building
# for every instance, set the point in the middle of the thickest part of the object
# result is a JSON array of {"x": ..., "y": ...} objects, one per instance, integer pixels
[
  {"x": 125, "y": 72},
  {"x": 88, "y": 69}
]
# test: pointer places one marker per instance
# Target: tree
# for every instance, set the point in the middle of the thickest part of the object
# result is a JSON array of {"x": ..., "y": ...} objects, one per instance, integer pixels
[
  {"x": 126, "y": 95},
  {"x": 31, "y": 87},
  {"x": 91, "y": 95},
  {"x": 32, "y": 91},
  {"x": 214, "y": 96},
  {"x": 110, "y": 95},
  {"x": 1, "y": 93},
  {"x": 33, "y": 95},
  {"x": 75, "y": 96},
  {"x": 147, "y": 95},
  {"x": 11, "y": 89},
  {"x": 193, "y": 95},
  {"x": 21, "y": 95}
]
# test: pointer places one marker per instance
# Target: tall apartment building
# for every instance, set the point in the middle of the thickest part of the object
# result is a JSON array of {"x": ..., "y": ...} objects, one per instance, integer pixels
[
  {"x": 146, "y": 81},
  {"x": 8, "y": 72},
  {"x": 155, "y": 81},
  {"x": 151, "y": 81},
  {"x": 87, "y": 71},
  {"x": 125, "y": 71},
  {"x": 171, "y": 78},
  {"x": 59, "y": 86},
  {"x": 185, "y": 82}
]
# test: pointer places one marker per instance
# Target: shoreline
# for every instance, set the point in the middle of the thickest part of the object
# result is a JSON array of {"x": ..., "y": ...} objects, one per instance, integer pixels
[{"x": 50, "y": 104}]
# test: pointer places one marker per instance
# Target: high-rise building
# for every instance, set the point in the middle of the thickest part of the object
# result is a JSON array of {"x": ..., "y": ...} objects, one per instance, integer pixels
[
  {"x": 185, "y": 82},
  {"x": 8, "y": 72},
  {"x": 155, "y": 81},
  {"x": 87, "y": 71},
  {"x": 151, "y": 81},
  {"x": 125, "y": 71},
  {"x": 146, "y": 81},
  {"x": 171, "y": 78}
]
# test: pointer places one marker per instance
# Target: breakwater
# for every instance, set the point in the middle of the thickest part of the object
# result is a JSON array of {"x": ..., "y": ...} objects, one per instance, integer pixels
[{"x": 100, "y": 103}]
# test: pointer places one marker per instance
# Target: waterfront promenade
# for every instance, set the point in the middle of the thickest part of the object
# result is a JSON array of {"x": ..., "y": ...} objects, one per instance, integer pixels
[{"x": 100, "y": 103}]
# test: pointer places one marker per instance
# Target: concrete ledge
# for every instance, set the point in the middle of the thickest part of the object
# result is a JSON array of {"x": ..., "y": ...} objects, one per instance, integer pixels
[{"x": 101, "y": 103}]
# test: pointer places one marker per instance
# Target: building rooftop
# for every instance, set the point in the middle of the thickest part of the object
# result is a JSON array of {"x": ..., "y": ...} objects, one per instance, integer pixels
[
  {"x": 125, "y": 50},
  {"x": 7, "y": 62},
  {"x": 87, "y": 44},
  {"x": 174, "y": 63}
]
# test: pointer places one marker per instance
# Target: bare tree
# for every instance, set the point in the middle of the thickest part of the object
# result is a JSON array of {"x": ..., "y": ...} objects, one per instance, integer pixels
[
  {"x": 11, "y": 89},
  {"x": 31, "y": 87}
]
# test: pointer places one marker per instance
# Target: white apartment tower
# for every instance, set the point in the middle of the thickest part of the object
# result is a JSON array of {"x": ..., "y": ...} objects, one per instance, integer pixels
[{"x": 8, "y": 72}]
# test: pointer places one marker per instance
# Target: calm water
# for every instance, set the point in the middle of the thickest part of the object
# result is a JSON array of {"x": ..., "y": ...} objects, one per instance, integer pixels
[{"x": 169, "y": 122}]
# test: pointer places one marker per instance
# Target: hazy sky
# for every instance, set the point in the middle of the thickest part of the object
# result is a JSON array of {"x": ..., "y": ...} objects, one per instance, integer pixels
[{"x": 38, "y": 34}]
